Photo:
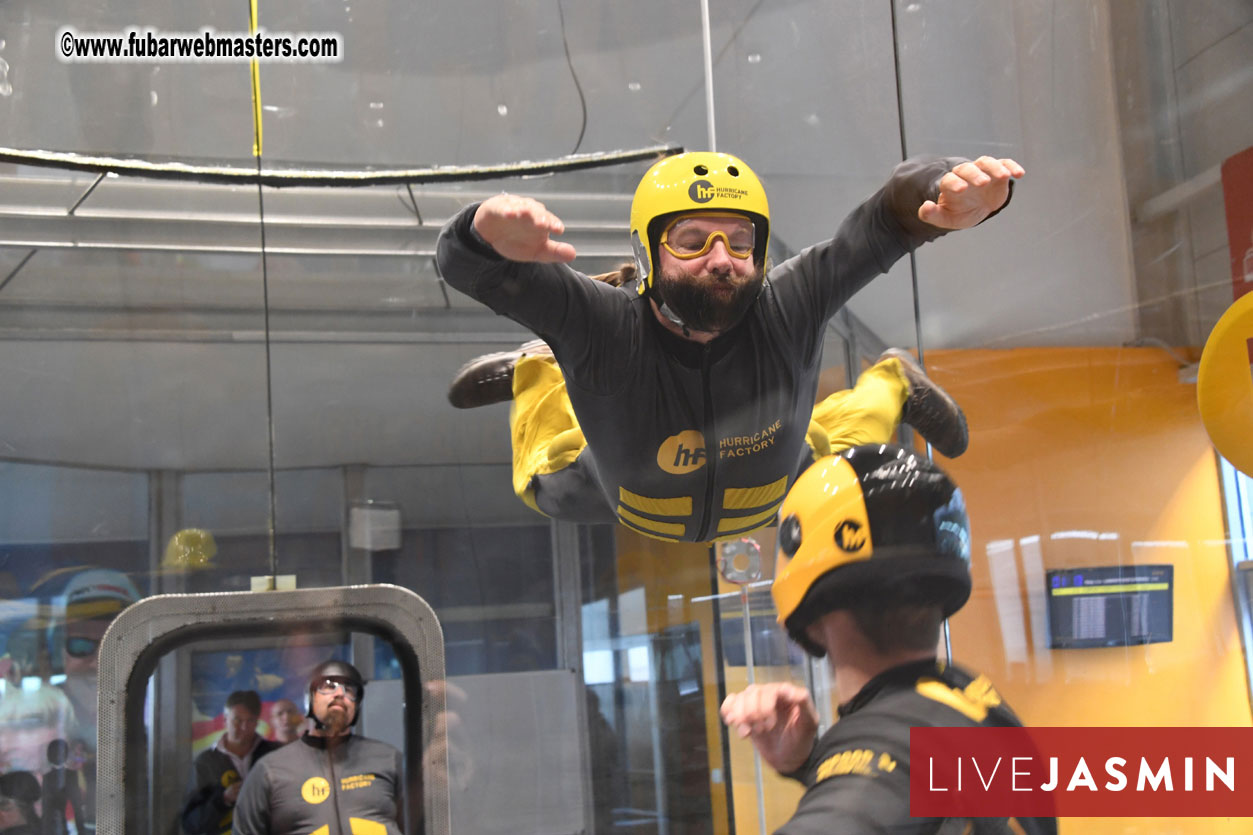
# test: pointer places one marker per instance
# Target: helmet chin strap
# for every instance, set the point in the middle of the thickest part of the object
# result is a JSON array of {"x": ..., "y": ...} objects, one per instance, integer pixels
[{"x": 670, "y": 315}]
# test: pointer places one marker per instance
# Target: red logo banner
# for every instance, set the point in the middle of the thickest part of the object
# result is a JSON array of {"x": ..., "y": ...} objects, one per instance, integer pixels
[
  {"x": 1081, "y": 772},
  {"x": 1237, "y": 174}
]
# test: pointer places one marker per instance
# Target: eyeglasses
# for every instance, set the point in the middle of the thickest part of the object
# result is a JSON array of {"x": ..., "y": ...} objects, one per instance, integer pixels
[
  {"x": 693, "y": 236},
  {"x": 328, "y": 686},
  {"x": 79, "y": 647}
]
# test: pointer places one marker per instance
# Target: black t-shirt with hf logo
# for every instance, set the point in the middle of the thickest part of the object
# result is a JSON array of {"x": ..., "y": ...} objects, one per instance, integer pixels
[
  {"x": 691, "y": 442},
  {"x": 355, "y": 786}
]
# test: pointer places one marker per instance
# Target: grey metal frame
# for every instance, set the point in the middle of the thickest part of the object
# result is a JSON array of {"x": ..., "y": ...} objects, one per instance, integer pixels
[{"x": 137, "y": 639}]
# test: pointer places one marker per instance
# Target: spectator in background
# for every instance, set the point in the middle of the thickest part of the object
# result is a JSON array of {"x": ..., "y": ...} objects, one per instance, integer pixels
[
  {"x": 218, "y": 773},
  {"x": 60, "y": 789},
  {"x": 93, "y": 598},
  {"x": 33, "y": 713},
  {"x": 19, "y": 791},
  {"x": 286, "y": 720}
]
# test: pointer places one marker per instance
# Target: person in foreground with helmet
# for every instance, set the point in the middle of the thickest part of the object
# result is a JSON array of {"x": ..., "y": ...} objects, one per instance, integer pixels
[
  {"x": 329, "y": 780},
  {"x": 873, "y": 555},
  {"x": 685, "y": 408}
]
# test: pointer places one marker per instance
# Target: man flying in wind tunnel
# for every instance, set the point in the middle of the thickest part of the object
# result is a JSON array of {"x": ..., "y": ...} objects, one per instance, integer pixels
[{"x": 685, "y": 409}]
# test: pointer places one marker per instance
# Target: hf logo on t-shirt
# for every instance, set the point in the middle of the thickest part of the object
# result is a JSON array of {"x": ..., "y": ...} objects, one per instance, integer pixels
[{"x": 315, "y": 790}]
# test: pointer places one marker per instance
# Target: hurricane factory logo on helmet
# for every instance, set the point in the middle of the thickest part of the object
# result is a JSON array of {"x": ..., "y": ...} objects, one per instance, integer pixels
[
  {"x": 701, "y": 191},
  {"x": 682, "y": 453},
  {"x": 850, "y": 537}
]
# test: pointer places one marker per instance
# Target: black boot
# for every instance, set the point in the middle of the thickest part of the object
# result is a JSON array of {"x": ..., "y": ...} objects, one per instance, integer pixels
[
  {"x": 489, "y": 379},
  {"x": 929, "y": 409}
]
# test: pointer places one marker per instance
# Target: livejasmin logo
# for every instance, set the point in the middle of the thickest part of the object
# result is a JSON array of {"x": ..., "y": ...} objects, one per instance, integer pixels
[
  {"x": 1085, "y": 772},
  {"x": 1020, "y": 770}
]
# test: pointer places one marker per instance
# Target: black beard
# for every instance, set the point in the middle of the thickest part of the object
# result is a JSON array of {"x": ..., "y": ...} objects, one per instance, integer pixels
[{"x": 689, "y": 299}]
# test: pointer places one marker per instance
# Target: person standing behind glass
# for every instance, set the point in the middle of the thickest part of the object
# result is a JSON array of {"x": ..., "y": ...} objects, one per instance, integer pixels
[
  {"x": 19, "y": 791},
  {"x": 286, "y": 721},
  {"x": 93, "y": 598},
  {"x": 218, "y": 773},
  {"x": 60, "y": 789},
  {"x": 330, "y": 780}
]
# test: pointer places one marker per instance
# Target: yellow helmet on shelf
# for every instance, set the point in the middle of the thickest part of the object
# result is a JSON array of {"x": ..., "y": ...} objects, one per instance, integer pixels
[{"x": 190, "y": 549}]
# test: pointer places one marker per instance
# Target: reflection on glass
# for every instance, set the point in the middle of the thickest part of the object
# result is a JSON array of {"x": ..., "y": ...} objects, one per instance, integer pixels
[
  {"x": 240, "y": 703},
  {"x": 48, "y": 704},
  {"x": 133, "y": 390}
]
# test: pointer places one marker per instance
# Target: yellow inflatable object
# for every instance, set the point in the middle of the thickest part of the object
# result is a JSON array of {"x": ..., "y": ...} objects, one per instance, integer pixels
[{"x": 1224, "y": 385}]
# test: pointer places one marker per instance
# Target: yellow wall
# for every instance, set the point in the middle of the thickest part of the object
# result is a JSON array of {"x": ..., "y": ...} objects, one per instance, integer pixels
[
  {"x": 664, "y": 569},
  {"x": 1103, "y": 440}
]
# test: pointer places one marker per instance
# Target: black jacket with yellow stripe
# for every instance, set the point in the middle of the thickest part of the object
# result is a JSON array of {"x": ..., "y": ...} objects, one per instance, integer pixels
[
  {"x": 857, "y": 777},
  {"x": 205, "y": 810},
  {"x": 685, "y": 441}
]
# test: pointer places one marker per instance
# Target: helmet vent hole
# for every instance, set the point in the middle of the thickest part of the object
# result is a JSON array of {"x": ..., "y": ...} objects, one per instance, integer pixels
[
  {"x": 790, "y": 535},
  {"x": 733, "y": 171},
  {"x": 700, "y": 170}
]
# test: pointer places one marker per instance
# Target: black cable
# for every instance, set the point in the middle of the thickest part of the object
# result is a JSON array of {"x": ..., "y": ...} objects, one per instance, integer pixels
[
  {"x": 900, "y": 121},
  {"x": 269, "y": 380},
  {"x": 724, "y": 735},
  {"x": 13, "y": 273},
  {"x": 574, "y": 76},
  {"x": 412, "y": 205},
  {"x": 265, "y": 305},
  {"x": 86, "y": 193},
  {"x": 913, "y": 259},
  {"x": 17, "y": 269}
]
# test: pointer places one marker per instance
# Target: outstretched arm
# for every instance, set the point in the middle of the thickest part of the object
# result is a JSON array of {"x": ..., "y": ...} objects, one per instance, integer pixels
[
  {"x": 519, "y": 228},
  {"x": 970, "y": 192},
  {"x": 780, "y": 719}
]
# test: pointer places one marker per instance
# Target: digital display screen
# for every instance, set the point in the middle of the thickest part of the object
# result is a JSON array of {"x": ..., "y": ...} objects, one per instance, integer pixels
[{"x": 1111, "y": 606}]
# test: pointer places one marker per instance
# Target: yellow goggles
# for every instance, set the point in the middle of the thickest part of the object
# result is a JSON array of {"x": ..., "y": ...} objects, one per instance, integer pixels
[{"x": 693, "y": 236}]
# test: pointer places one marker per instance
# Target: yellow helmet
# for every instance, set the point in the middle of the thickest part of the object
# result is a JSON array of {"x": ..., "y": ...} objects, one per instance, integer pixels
[
  {"x": 696, "y": 181},
  {"x": 876, "y": 522},
  {"x": 190, "y": 549}
]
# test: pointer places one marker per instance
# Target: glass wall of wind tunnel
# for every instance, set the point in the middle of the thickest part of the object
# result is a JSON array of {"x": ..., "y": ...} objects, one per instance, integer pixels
[
  {"x": 1070, "y": 328},
  {"x": 154, "y": 391},
  {"x": 365, "y": 338},
  {"x": 131, "y": 314}
]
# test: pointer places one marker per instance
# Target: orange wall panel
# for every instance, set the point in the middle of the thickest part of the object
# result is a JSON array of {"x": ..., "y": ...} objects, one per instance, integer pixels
[{"x": 1082, "y": 457}]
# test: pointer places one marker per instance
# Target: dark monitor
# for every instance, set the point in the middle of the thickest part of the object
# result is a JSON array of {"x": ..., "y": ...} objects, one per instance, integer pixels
[{"x": 1110, "y": 606}]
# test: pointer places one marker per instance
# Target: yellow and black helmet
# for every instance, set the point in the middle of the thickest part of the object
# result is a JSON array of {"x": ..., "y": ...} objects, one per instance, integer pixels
[
  {"x": 874, "y": 523},
  {"x": 696, "y": 181}
]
